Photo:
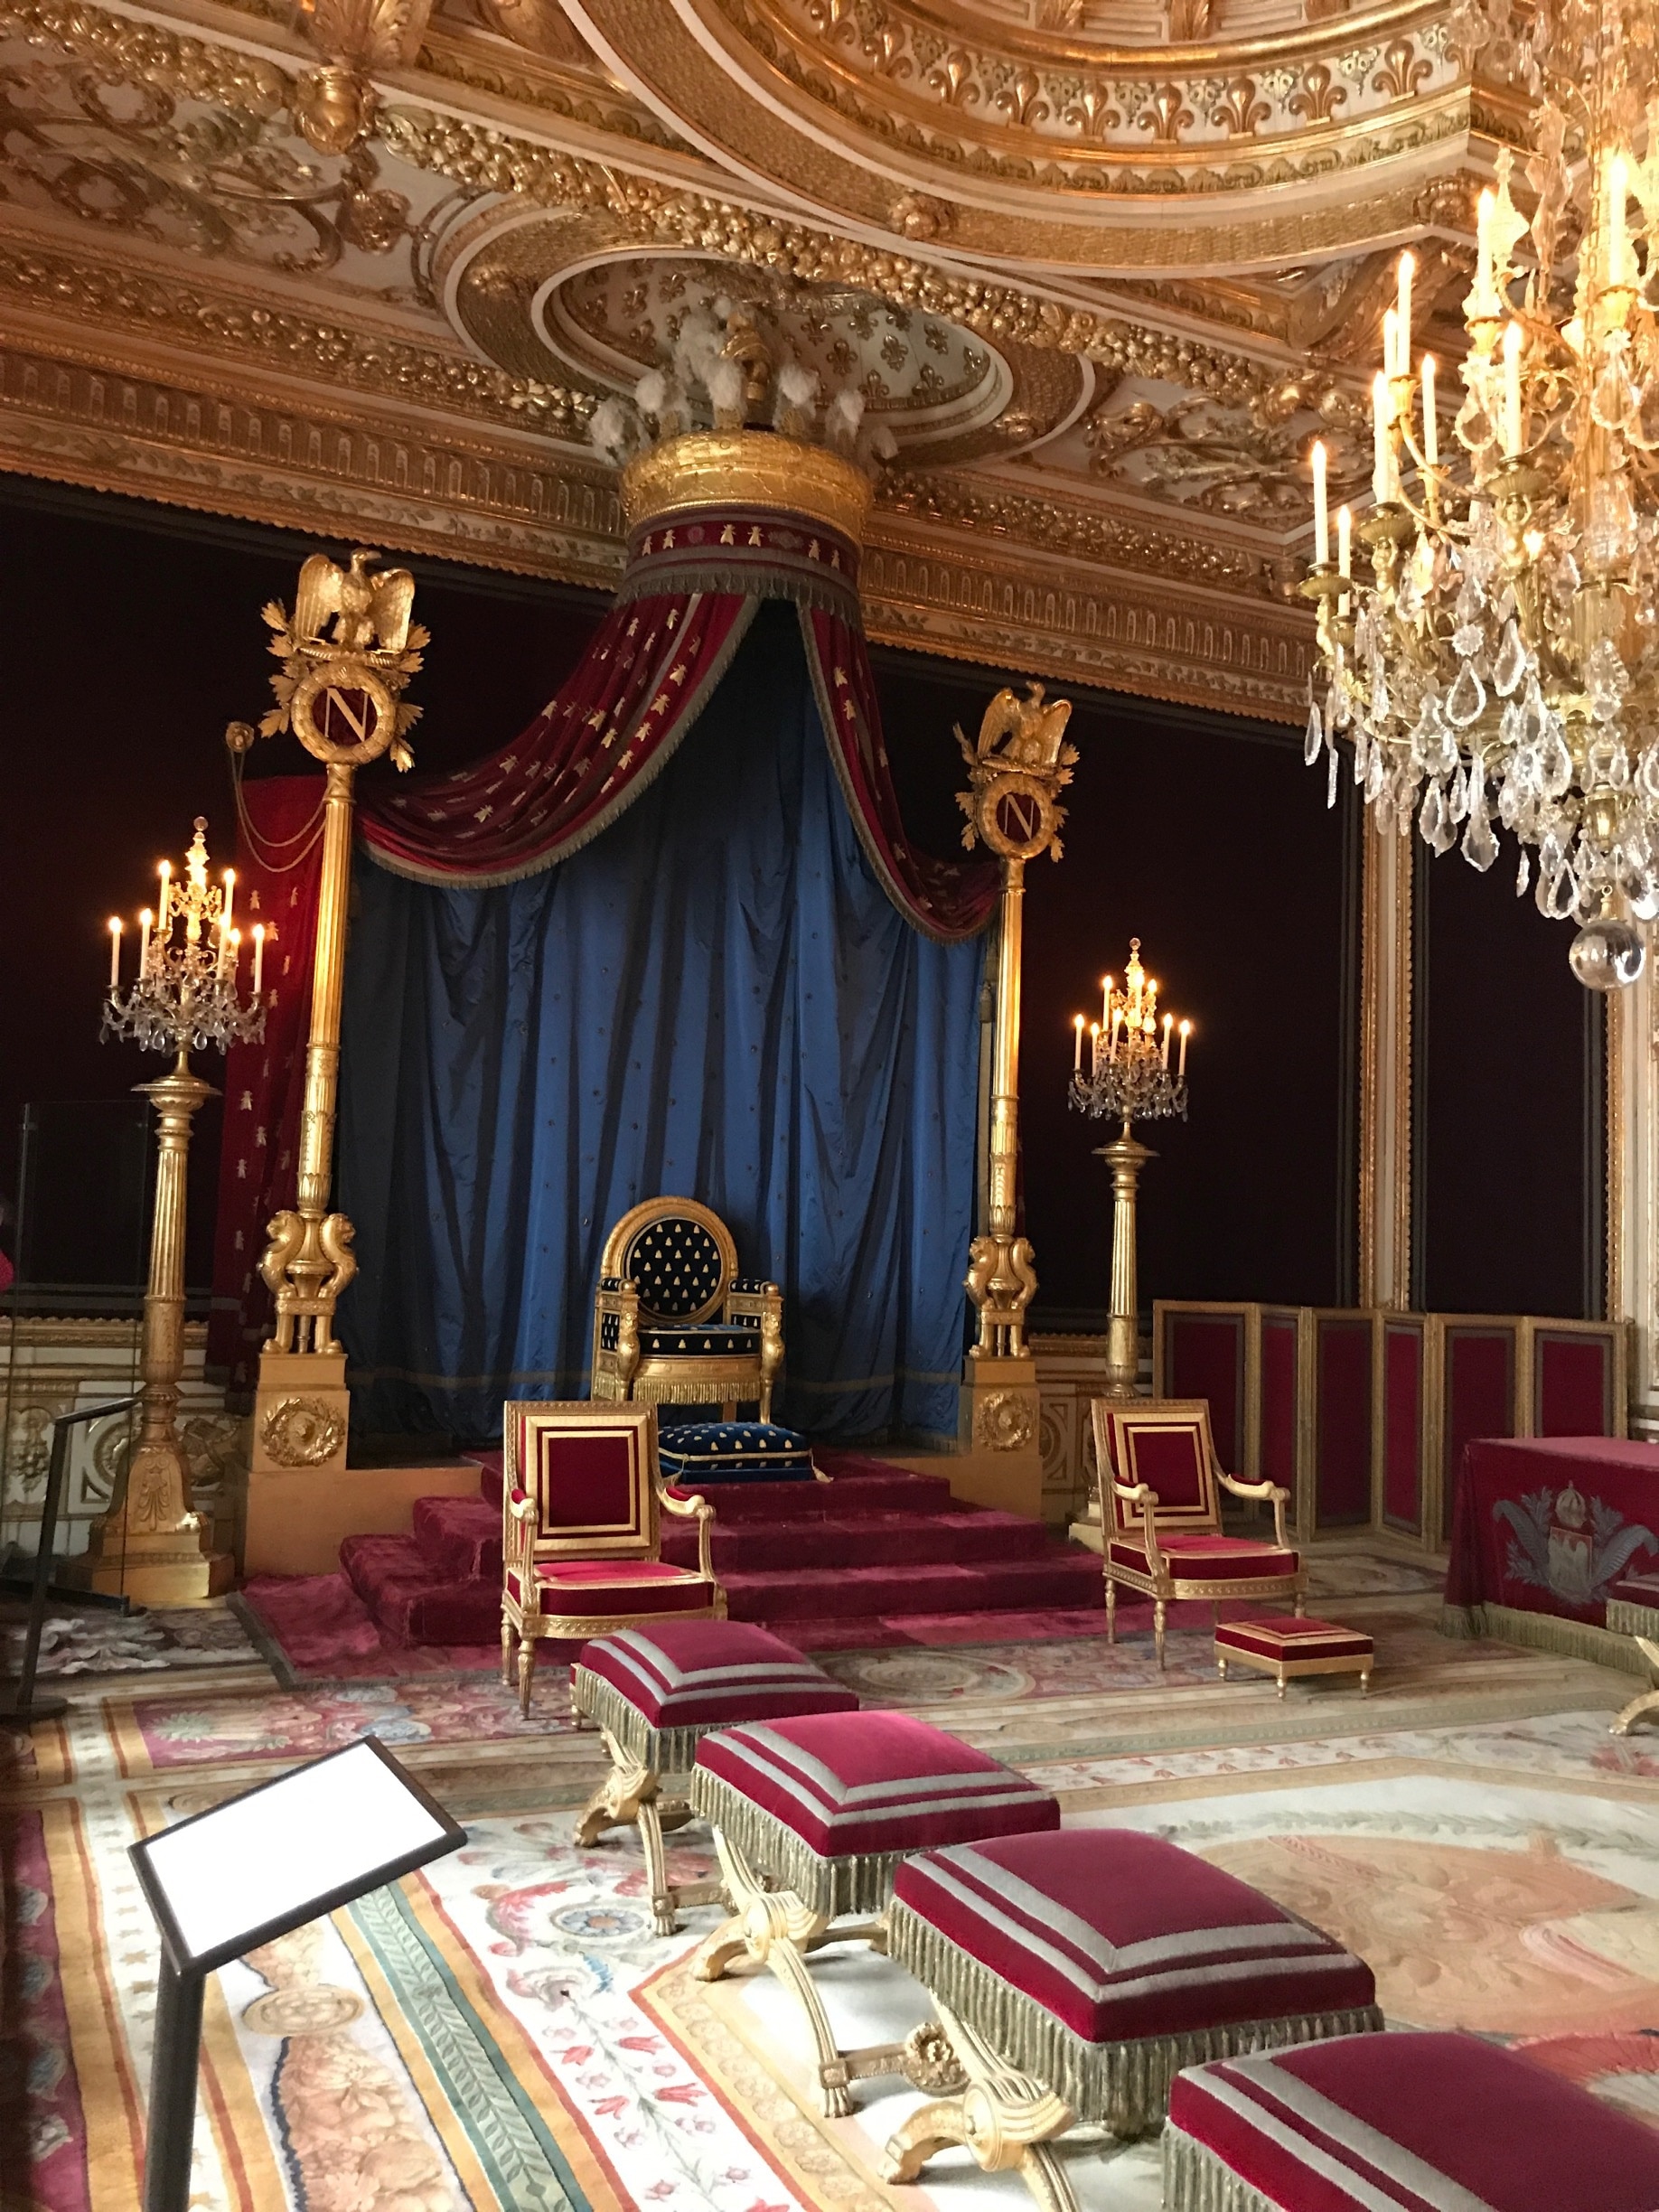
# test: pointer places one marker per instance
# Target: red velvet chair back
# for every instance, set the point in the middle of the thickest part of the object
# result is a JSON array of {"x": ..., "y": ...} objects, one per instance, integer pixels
[
  {"x": 592, "y": 1470},
  {"x": 1165, "y": 1444}
]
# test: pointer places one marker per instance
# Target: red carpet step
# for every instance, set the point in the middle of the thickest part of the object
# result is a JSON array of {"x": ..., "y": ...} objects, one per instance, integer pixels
[{"x": 875, "y": 1541}]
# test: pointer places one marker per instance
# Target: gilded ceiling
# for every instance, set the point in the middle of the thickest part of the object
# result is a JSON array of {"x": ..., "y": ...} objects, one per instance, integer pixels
[{"x": 1102, "y": 268}]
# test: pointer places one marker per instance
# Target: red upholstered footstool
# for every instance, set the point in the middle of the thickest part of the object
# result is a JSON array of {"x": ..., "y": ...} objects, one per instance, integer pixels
[
  {"x": 1424, "y": 2123},
  {"x": 1286, "y": 1647},
  {"x": 824, "y": 1809},
  {"x": 1077, "y": 1973},
  {"x": 655, "y": 1694}
]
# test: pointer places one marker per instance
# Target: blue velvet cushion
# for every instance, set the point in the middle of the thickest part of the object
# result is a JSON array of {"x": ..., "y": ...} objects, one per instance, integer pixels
[
  {"x": 734, "y": 1451},
  {"x": 707, "y": 1336}
]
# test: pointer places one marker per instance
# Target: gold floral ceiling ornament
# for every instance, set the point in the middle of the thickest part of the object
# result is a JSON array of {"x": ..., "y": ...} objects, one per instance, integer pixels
[
  {"x": 1500, "y": 669},
  {"x": 334, "y": 106}
]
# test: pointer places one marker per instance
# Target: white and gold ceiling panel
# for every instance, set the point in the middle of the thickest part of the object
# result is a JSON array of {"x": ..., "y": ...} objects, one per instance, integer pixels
[{"x": 1102, "y": 268}]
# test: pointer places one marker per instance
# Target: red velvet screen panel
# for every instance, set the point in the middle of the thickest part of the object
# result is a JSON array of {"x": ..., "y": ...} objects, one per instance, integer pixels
[
  {"x": 1281, "y": 1378},
  {"x": 1205, "y": 1357},
  {"x": 1342, "y": 1429},
  {"x": 1479, "y": 1396},
  {"x": 1572, "y": 1384},
  {"x": 1404, "y": 1365}
]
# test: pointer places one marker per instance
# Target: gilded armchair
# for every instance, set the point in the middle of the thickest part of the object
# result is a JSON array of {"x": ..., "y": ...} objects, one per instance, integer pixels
[
  {"x": 673, "y": 1322},
  {"x": 580, "y": 1500},
  {"x": 1161, "y": 1514}
]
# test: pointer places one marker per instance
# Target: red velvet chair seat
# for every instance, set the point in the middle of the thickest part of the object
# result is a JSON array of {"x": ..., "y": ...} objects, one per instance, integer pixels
[
  {"x": 1426, "y": 2123},
  {"x": 658, "y": 1690},
  {"x": 616, "y": 1586},
  {"x": 1207, "y": 1558},
  {"x": 1282, "y": 1635},
  {"x": 829, "y": 1802}
]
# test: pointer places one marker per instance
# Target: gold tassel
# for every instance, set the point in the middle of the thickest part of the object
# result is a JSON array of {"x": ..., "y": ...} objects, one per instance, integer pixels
[
  {"x": 666, "y": 1751},
  {"x": 1569, "y": 1639},
  {"x": 858, "y": 1883},
  {"x": 1121, "y": 2086}
]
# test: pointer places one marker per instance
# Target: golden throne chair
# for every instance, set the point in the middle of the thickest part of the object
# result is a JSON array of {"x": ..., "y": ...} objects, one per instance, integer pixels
[
  {"x": 580, "y": 1501},
  {"x": 1160, "y": 1500},
  {"x": 673, "y": 1322}
]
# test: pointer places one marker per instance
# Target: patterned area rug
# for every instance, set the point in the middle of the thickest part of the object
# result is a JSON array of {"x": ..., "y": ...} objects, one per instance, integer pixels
[
  {"x": 141, "y": 1643},
  {"x": 506, "y": 2029}
]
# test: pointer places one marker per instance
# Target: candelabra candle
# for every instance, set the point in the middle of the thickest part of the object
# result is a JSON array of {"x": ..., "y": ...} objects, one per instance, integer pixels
[
  {"x": 1131, "y": 1079},
  {"x": 184, "y": 996}
]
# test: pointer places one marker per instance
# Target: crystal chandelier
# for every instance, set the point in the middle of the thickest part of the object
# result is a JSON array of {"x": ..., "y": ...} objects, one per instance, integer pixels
[
  {"x": 1499, "y": 668},
  {"x": 1129, "y": 1077}
]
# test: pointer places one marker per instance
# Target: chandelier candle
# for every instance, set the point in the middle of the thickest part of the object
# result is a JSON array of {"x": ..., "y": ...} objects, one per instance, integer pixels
[
  {"x": 150, "y": 1545},
  {"x": 1498, "y": 670},
  {"x": 1129, "y": 1080}
]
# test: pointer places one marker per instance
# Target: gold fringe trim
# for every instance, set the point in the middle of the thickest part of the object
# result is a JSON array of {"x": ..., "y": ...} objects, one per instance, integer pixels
[
  {"x": 1625, "y": 1617},
  {"x": 859, "y": 1883},
  {"x": 1196, "y": 2180},
  {"x": 1122, "y": 2087},
  {"x": 1569, "y": 1639},
  {"x": 666, "y": 1751}
]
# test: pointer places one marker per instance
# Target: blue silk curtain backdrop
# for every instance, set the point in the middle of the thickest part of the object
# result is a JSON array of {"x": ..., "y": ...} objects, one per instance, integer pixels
[{"x": 716, "y": 999}]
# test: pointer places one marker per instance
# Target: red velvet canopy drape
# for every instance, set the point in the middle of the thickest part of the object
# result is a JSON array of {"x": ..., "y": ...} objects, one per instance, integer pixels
[{"x": 688, "y": 596}]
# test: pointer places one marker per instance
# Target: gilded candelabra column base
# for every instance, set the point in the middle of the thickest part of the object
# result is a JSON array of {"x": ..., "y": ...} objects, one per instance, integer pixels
[
  {"x": 153, "y": 1566},
  {"x": 1126, "y": 1157},
  {"x": 150, "y": 1546}
]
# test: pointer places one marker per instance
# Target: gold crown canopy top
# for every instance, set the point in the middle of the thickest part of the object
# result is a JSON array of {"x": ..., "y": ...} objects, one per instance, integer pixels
[{"x": 750, "y": 469}]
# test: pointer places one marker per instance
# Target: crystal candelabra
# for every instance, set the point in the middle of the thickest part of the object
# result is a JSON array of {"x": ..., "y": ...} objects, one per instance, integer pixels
[
  {"x": 184, "y": 996},
  {"x": 1129, "y": 1079},
  {"x": 1499, "y": 669}
]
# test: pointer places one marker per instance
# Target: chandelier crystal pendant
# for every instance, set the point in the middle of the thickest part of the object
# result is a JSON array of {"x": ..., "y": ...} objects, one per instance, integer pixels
[{"x": 1499, "y": 669}]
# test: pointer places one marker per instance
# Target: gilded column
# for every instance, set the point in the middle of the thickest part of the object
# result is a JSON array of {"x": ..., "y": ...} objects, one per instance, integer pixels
[
  {"x": 1633, "y": 1188},
  {"x": 347, "y": 652},
  {"x": 1386, "y": 1070},
  {"x": 1019, "y": 766}
]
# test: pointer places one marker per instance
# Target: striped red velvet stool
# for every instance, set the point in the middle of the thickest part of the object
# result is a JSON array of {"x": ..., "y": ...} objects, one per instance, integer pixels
[
  {"x": 810, "y": 1818},
  {"x": 655, "y": 1694},
  {"x": 1401, "y": 2123},
  {"x": 1076, "y": 1973},
  {"x": 1287, "y": 1648}
]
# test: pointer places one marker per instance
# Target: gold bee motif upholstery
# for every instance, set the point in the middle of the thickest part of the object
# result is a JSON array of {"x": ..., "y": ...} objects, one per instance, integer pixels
[{"x": 673, "y": 1321}]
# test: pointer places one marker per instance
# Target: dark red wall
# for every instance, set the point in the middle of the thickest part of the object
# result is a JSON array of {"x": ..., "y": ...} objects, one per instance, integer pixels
[
  {"x": 1206, "y": 837},
  {"x": 1508, "y": 1084}
]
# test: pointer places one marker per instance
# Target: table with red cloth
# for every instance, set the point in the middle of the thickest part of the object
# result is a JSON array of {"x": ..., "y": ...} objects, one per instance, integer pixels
[{"x": 1547, "y": 1524}]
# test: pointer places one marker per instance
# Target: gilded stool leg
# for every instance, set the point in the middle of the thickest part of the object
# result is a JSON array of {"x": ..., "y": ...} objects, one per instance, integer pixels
[
  {"x": 1111, "y": 1610},
  {"x": 662, "y": 1898},
  {"x": 1160, "y": 1615},
  {"x": 1005, "y": 2119},
  {"x": 506, "y": 1652},
  {"x": 1640, "y": 1707},
  {"x": 1221, "y": 1665},
  {"x": 1281, "y": 1682},
  {"x": 777, "y": 1929},
  {"x": 527, "y": 1673},
  {"x": 1365, "y": 1683}
]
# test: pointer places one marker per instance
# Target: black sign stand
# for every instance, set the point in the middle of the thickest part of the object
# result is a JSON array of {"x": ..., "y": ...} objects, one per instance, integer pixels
[
  {"x": 184, "y": 1969},
  {"x": 18, "y": 1703}
]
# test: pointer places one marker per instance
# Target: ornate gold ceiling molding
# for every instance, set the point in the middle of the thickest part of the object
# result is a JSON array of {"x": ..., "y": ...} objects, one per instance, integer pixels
[
  {"x": 722, "y": 94},
  {"x": 1059, "y": 115},
  {"x": 56, "y": 287},
  {"x": 87, "y": 419},
  {"x": 141, "y": 51}
]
